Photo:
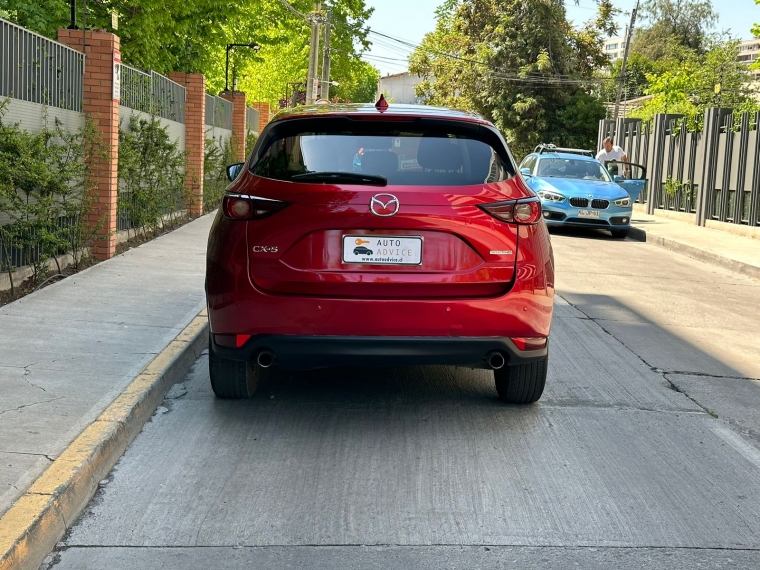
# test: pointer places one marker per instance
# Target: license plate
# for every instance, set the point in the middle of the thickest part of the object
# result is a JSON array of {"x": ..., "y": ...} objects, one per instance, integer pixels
[
  {"x": 382, "y": 250},
  {"x": 588, "y": 213}
]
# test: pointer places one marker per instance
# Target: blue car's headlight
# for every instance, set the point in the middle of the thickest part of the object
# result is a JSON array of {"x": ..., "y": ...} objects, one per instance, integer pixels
[
  {"x": 551, "y": 196},
  {"x": 623, "y": 202}
]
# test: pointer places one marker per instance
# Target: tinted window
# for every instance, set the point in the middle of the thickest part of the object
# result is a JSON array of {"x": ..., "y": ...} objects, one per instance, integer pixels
[
  {"x": 572, "y": 168},
  {"x": 403, "y": 157}
]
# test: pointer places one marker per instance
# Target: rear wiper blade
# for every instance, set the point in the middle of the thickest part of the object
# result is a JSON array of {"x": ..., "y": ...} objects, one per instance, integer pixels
[{"x": 338, "y": 177}]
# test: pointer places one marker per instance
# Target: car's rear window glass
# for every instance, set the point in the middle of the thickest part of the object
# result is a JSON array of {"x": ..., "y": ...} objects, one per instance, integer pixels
[
  {"x": 572, "y": 168},
  {"x": 402, "y": 157}
]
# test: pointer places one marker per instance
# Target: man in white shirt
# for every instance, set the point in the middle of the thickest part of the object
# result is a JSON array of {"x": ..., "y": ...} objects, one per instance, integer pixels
[{"x": 612, "y": 152}]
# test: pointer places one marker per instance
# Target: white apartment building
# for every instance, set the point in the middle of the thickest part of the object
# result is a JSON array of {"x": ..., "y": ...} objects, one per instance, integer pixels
[
  {"x": 615, "y": 47},
  {"x": 749, "y": 51}
]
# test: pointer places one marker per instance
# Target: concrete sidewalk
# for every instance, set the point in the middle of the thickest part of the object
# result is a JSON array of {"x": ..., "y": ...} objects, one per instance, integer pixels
[
  {"x": 69, "y": 349},
  {"x": 730, "y": 251}
]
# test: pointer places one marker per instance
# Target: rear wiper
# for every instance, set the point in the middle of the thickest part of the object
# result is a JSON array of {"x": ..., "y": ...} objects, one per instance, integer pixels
[{"x": 341, "y": 177}]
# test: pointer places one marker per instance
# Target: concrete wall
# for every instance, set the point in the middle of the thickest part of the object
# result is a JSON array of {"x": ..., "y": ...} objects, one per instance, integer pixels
[
  {"x": 399, "y": 88},
  {"x": 31, "y": 116},
  {"x": 176, "y": 130},
  {"x": 219, "y": 135}
]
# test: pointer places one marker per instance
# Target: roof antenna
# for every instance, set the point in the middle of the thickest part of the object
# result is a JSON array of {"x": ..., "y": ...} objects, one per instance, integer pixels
[{"x": 382, "y": 104}]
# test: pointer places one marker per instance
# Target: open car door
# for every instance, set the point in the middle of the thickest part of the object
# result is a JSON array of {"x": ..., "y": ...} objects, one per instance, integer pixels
[{"x": 631, "y": 177}]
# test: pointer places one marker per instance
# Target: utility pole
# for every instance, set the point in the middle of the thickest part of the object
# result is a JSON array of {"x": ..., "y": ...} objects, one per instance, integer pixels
[
  {"x": 621, "y": 79},
  {"x": 326, "y": 59},
  {"x": 312, "y": 81}
]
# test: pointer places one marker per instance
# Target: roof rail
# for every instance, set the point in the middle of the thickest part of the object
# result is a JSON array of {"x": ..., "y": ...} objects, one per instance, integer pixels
[
  {"x": 545, "y": 147},
  {"x": 548, "y": 147}
]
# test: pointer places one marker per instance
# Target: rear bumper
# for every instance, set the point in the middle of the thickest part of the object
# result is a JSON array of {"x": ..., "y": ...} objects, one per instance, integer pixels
[{"x": 308, "y": 352}]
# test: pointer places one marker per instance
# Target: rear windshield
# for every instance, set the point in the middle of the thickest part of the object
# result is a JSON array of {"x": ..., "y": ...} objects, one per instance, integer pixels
[
  {"x": 572, "y": 168},
  {"x": 403, "y": 157}
]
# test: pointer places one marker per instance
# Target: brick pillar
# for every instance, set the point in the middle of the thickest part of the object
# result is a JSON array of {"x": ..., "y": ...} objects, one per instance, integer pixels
[
  {"x": 238, "y": 122},
  {"x": 195, "y": 136},
  {"x": 104, "y": 111},
  {"x": 264, "y": 114}
]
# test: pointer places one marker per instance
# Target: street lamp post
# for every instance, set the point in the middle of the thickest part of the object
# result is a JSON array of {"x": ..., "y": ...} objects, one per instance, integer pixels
[
  {"x": 252, "y": 45},
  {"x": 73, "y": 6}
]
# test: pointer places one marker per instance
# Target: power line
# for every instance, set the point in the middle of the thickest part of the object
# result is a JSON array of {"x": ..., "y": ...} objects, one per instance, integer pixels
[{"x": 514, "y": 75}]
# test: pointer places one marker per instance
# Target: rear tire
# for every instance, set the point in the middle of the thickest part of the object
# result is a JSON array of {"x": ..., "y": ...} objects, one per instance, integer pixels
[
  {"x": 620, "y": 234},
  {"x": 522, "y": 383},
  {"x": 232, "y": 379}
]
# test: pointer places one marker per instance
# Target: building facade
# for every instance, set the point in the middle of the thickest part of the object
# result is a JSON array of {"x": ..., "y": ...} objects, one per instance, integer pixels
[
  {"x": 749, "y": 51},
  {"x": 399, "y": 88},
  {"x": 615, "y": 47}
]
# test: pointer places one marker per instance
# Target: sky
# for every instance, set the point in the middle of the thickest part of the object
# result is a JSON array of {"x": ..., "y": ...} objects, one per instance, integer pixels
[{"x": 412, "y": 19}]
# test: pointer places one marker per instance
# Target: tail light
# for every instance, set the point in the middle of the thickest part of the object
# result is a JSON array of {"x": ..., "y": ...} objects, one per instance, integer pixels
[
  {"x": 530, "y": 343},
  {"x": 525, "y": 211},
  {"x": 242, "y": 207}
]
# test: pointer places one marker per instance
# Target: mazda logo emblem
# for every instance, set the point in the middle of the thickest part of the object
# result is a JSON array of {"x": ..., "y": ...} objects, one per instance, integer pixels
[{"x": 384, "y": 205}]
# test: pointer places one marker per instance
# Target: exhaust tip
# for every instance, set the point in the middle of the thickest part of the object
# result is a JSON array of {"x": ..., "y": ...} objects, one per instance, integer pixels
[
  {"x": 265, "y": 359},
  {"x": 496, "y": 360}
]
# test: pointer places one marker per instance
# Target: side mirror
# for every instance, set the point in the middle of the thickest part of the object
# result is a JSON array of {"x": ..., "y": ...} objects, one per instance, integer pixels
[
  {"x": 617, "y": 178},
  {"x": 233, "y": 170},
  {"x": 525, "y": 172}
]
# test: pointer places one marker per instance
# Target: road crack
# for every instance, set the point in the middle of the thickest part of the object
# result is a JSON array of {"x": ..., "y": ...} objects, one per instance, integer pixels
[
  {"x": 19, "y": 408},
  {"x": 705, "y": 375},
  {"x": 654, "y": 369},
  {"x": 45, "y": 455}
]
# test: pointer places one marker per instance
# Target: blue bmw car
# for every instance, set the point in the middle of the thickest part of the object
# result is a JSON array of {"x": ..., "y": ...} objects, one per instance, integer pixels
[{"x": 578, "y": 190}]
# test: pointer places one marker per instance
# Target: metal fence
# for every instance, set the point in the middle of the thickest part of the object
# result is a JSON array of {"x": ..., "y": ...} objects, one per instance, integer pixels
[
  {"x": 712, "y": 174},
  {"x": 19, "y": 255},
  {"x": 218, "y": 112},
  {"x": 152, "y": 93},
  {"x": 136, "y": 89},
  {"x": 36, "y": 69}
]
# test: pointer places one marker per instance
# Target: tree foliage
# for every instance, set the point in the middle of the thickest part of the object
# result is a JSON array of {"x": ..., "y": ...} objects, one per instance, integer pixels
[
  {"x": 637, "y": 70},
  {"x": 688, "y": 82},
  {"x": 521, "y": 64},
  {"x": 152, "y": 171},
  {"x": 191, "y": 35},
  {"x": 683, "y": 22}
]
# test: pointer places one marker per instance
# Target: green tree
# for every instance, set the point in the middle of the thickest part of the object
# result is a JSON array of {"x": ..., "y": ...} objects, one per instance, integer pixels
[
  {"x": 521, "y": 64},
  {"x": 191, "y": 35},
  {"x": 637, "y": 69},
  {"x": 756, "y": 33},
  {"x": 684, "y": 22},
  {"x": 687, "y": 82}
]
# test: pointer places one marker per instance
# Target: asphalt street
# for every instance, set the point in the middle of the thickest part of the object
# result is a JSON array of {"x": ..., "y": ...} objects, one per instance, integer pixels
[{"x": 643, "y": 453}]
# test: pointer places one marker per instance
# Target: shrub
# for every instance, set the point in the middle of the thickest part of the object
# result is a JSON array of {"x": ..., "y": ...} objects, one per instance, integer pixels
[
  {"x": 152, "y": 173},
  {"x": 46, "y": 195},
  {"x": 218, "y": 155}
]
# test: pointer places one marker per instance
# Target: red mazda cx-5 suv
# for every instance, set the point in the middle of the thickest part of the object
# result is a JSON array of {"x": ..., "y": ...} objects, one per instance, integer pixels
[{"x": 361, "y": 235}]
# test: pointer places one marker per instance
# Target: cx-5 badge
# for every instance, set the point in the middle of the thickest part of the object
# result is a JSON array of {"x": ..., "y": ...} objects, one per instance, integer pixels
[{"x": 384, "y": 205}]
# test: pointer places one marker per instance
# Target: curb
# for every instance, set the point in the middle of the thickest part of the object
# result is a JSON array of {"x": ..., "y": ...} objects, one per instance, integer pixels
[
  {"x": 30, "y": 529},
  {"x": 695, "y": 253}
]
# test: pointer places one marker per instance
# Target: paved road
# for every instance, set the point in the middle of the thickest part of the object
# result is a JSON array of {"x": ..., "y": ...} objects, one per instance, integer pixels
[{"x": 619, "y": 466}]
